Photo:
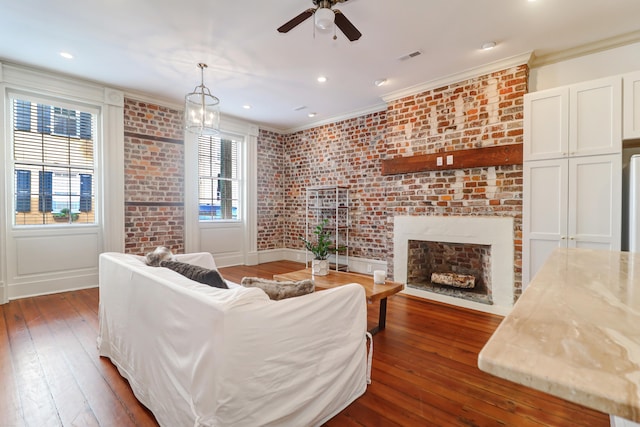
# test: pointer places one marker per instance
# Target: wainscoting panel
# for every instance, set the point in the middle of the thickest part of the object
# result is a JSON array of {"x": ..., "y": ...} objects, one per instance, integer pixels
[
  {"x": 53, "y": 263},
  {"x": 36, "y": 255}
]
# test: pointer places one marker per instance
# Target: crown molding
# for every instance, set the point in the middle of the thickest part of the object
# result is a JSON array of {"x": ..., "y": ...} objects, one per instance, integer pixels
[
  {"x": 268, "y": 128},
  {"x": 350, "y": 115},
  {"x": 586, "y": 49},
  {"x": 491, "y": 67},
  {"x": 113, "y": 97},
  {"x": 138, "y": 96}
]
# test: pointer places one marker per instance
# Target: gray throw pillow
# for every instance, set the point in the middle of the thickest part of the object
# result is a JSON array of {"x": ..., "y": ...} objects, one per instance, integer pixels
[
  {"x": 197, "y": 273},
  {"x": 280, "y": 290}
]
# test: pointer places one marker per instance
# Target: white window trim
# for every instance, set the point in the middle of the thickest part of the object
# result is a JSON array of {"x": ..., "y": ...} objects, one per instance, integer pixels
[
  {"x": 248, "y": 221},
  {"x": 16, "y": 78}
]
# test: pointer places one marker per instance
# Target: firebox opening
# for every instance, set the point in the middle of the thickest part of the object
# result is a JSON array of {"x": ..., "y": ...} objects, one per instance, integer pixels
[{"x": 427, "y": 257}]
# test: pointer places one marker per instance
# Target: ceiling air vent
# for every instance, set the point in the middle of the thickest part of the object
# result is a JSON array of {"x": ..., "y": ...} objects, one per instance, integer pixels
[
  {"x": 410, "y": 55},
  {"x": 302, "y": 107}
]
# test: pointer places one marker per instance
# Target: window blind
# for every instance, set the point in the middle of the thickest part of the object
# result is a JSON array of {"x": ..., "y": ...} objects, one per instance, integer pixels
[
  {"x": 56, "y": 145},
  {"x": 218, "y": 172}
]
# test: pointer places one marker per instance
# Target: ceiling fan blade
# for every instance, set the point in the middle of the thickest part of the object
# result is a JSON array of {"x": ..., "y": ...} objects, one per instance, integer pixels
[
  {"x": 296, "y": 21},
  {"x": 346, "y": 26}
]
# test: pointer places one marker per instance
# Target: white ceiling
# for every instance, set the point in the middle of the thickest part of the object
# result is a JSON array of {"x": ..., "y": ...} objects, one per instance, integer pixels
[{"x": 152, "y": 47}]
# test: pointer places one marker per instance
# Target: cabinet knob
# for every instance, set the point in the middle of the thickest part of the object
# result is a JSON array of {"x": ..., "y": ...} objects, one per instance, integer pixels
[{"x": 572, "y": 238}]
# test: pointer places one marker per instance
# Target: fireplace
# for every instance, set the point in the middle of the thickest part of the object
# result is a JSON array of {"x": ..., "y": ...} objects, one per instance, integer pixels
[
  {"x": 472, "y": 246},
  {"x": 469, "y": 263}
]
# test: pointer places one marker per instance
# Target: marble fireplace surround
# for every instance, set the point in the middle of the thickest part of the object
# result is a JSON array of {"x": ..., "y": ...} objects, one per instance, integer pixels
[{"x": 496, "y": 232}]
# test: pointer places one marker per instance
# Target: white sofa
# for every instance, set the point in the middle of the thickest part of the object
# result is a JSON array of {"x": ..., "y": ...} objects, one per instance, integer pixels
[{"x": 202, "y": 356}]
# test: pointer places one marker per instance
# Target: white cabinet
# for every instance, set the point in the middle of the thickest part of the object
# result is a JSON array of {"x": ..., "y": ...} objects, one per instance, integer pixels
[
  {"x": 595, "y": 117},
  {"x": 570, "y": 202},
  {"x": 544, "y": 215},
  {"x": 579, "y": 120},
  {"x": 631, "y": 96},
  {"x": 546, "y": 124},
  {"x": 595, "y": 199},
  {"x": 572, "y": 170}
]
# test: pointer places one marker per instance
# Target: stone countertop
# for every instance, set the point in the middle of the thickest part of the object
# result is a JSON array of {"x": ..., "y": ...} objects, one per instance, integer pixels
[{"x": 575, "y": 332}]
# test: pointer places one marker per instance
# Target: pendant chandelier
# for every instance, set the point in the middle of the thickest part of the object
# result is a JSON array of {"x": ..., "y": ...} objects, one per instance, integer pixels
[{"x": 201, "y": 109}]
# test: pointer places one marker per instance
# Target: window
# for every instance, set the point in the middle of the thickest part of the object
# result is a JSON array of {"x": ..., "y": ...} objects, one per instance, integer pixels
[
  {"x": 218, "y": 178},
  {"x": 53, "y": 159}
]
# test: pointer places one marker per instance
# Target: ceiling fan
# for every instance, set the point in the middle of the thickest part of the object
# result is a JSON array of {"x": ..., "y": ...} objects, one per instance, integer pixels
[{"x": 325, "y": 16}]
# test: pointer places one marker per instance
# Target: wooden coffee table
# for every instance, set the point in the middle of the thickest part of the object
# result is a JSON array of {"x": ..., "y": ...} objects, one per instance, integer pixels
[{"x": 340, "y": 278}]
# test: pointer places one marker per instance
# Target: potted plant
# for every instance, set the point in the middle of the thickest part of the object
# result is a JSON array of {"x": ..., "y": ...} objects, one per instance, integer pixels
[
  {"x": 320, "y": 249},
  {"x": 63, "y": 215}
]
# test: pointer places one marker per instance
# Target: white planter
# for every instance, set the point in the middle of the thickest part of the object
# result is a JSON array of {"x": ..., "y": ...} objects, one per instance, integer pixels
[{"x": 320, "y": 267}]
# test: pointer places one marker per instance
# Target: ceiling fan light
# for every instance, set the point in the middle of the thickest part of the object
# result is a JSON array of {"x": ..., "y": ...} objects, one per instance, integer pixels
[{"x": 324, "y": 18}]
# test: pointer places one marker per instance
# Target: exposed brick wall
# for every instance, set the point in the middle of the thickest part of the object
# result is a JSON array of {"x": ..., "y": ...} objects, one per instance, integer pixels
[
  {"x": 154, "y": 177},
  {"x": 271, "y": 188},
  {"x": 482, "y": 111},
  {"x": 342, "y": 153},
  {"x": 479, "y": 112}
]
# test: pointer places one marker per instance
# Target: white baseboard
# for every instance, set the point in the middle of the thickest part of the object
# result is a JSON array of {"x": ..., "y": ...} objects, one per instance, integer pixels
[
  {"x": 356, "y": 265},
  {"x": 52, "y": 286},
  {"x": 272, "y": 255},
  {"x": 366, "y": 266},
  {"x": 252, "y": 258}
]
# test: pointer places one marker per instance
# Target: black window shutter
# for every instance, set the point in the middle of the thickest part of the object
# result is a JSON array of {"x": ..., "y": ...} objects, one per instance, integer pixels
[
  {"x": 23, "y": 115},
  {"x": 85, "y": 125},
  {"x": 85, "y": 192},
  {"x": 45, "y": 194},
  {"x": 23, "y": 191},
  {"x": 44, "y": 118}
]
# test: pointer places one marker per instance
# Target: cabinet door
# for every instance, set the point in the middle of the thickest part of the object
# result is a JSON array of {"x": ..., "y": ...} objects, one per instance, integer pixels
[
  {"x": 544, "y": 213},
  {"x": 595, "y": 202},
  {"x": 546, "y": 119},
  {"x": 595, "y": 117},
  {"x": 631, "y": 96}
]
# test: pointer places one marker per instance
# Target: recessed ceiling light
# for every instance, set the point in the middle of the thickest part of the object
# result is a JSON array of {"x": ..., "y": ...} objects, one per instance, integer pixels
[
  {"x": 322, "y": 79},
  {"x": 380, "y": 82},
  {"x": 488, "y": 45},
  {"x": 311, "y": 114},
  {"x": 66, "y": 55},
  {"x": 246, "y": 107}
]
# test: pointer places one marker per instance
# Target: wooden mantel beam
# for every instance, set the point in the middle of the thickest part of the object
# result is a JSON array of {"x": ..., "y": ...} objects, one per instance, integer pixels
[{"x": 497, "y": 155}]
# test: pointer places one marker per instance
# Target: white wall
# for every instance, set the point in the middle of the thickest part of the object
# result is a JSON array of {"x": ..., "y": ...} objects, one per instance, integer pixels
[
  {"x": 610, "y": 62},
  {"x": 39, "y": 260}
]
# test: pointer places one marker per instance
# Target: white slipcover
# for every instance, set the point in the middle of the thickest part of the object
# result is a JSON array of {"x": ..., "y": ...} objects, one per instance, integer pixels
[{"x": 202, "y": 356}]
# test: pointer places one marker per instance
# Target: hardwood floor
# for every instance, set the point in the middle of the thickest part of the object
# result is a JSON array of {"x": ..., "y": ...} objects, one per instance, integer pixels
[{"x": 424, "y": 369}]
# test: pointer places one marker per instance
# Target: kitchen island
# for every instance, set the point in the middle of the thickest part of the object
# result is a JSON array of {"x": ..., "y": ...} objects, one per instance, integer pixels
[{"x": 575, "y": 333}]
